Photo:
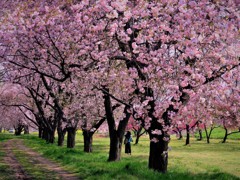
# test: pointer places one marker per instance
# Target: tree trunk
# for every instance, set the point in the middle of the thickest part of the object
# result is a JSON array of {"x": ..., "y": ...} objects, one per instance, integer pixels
[
  {"x": 226, "y": 135},
  {"x": 44, "y": 134},
  {"x": 87, "y": 136},
  {"x": 207, "y": 136},
  {"x": 0, "y": 129},
  {"x": 115, "y": 148},
  {"x": 61, "y": 134},
  {"x": 158, "y": 158},
  {"x": 139, "y": 133},
  {"x": 200, "y": 135},
  {"x": 116, "y": 136},
  {"x": 18, "y": 130},
  {"x": 71, "y": 137},
  {"x": 210, "y": 133},
  {"x": 137, "y": 139},
  {"x": 188, "y": 135},
  {"x": 50, "y": 137},
  {"x": 180, "y": 135},
  {"x": 26, "y": 129},
  {"x": 114, "y": 154},
  {"x": 40, "y": 132}
]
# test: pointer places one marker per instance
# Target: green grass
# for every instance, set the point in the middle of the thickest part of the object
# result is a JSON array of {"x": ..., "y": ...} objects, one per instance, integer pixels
[
  {"x": 5, "y": 136},
  {"x": 197, "y": 161}
]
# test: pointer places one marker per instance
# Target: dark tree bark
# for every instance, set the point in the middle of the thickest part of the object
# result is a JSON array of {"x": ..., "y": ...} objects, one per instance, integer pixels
[
  {"x": 44, "y": 134},
  {"x": 199, "y": 131},
  {"x": 178, "y": 132},
  {"x": 71, "y": 134},
  {"x": 61, "y": 134},
  {"x": 225, "y": 135},
  {"x": 0, "y": 129},
  {"x": 139, "y": 133},
  {"x": 88, "y": 138},
  {"x": 137, "y": 139},
  {"x": 26, "y": 129},
  {"x": 115, "y": 147},
  {"x": 188, "y": 134},
  {"x": 18, "y": 129},
  {"x": 18, "y": 132},
  {"x": 116, "y": 135},
  {"x": 50, "y": 136},
  {"x": 40, "y": 132},
  {"x": 158, "y": 158},
  {"x": 200, "y": 135},
  {"x": 208, "y": 135}
]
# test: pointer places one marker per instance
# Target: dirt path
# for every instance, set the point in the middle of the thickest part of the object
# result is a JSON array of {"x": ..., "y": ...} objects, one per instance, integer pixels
[
  {"x": 34, "y": 158},
  {"x": 12, "y": 162}
]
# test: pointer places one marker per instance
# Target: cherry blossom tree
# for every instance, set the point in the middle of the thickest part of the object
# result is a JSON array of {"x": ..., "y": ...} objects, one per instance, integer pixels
[
  {"x": 15, "y": 110},
  {"x": 152, "y": 57},
  {"x": 168, "y": 54}
]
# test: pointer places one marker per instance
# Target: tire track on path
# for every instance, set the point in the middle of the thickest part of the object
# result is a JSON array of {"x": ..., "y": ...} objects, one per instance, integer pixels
[
  {"x": 13, "y": 163},
  {"x": 35, "y": 158}
]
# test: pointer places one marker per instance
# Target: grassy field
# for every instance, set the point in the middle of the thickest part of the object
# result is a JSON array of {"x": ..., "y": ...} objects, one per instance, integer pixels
[{"x": 197, "y": 161}]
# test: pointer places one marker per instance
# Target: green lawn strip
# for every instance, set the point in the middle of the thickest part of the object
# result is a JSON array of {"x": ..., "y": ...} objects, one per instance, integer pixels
[
  {"x": 185, "y": 162},
  {"x": 31, "y": 167},
  {"x": 5, "y": 171},
  {"x": 6, "y": 136}
]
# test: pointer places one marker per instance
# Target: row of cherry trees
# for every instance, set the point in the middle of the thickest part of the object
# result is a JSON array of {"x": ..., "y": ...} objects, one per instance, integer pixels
[{"x": 81, "y": 63}]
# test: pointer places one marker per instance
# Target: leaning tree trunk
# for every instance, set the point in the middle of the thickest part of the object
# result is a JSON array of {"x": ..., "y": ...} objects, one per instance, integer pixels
[
  {"x": 188, "y": 135},
  {"x": 137, "y": 139},
  {"x": 71, "y": 137},
  {"x": 180, "y": 135},
  {"x": 116, "y": 135},
  {"x": 88, "y": 137},
  {"x": 116, "y": 138},
  {"x": 138, "y": 135},
  {"x": 0, "y": 129},
  {"x": 225, "y": 135}
]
